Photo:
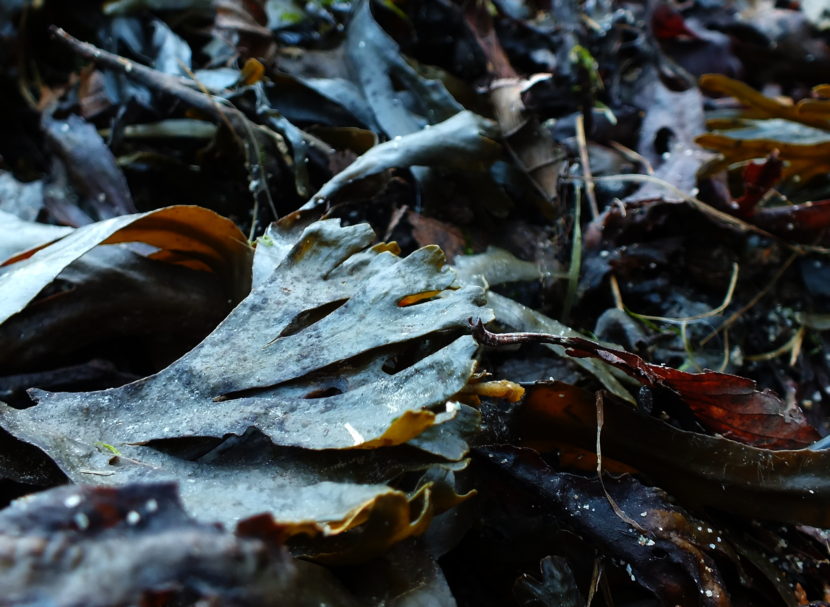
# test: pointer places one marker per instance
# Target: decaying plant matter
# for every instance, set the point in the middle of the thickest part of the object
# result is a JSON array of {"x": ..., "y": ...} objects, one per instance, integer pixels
[{"x": 237, "y": 368}]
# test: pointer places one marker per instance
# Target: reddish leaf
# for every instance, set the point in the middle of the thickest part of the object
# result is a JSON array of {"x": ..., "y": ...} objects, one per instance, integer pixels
[
  {"x": 727, "y": 404},
  {"x": 798, "y": 221},
  {"x": 428, "y": 230},
  {"x": 668, "y": 24},
  {"x": 700, "y": 470},
  {"x": 758, "y": 179}
]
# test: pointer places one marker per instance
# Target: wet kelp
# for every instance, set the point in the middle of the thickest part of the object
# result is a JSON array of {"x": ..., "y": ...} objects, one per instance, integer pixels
[{"x": 226, "y": 327}]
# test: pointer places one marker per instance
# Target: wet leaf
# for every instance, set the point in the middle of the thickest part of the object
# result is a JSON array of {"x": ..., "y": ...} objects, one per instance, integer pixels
[
  {"x": 406, "y": 576},
  {"x": 464, "y": 141},
  {"x": 135, "y": 545},
  {"x": 726, "y": 404},
  {"x": 711, "y": 471},
  {"x": 120, "y": 7},
  {"x": 113, "y": 293},
  {"x": 24, "y": 200},
  {"x": 758, "y": 179},
  {"x": 402, "y": 101},
  {"x": 812, "y": 112},
  {"x": 92, "y": 167},
  {"x": 497, "y": 267},
  {"x": 664, "y": 552}
]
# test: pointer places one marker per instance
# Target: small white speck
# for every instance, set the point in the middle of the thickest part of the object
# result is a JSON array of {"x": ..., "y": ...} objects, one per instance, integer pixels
[
  {"x": 709, "y": 593},
  {"x": 81, "y": 520},
  {"x": 712, "y": 546},
  {"x": 811, "y": 492},
  {"x": 644, "y": 513},
  {"x": 361, "y": 44},
  {"x": 133, "y": 517},
  {"x": 152, "y": 505},
  {"x": 72, "y": 501}
]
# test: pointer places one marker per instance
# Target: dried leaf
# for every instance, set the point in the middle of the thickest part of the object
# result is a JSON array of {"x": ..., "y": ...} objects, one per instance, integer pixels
[
  {"x": 18, "y": 235},
  {"x": 320, "y": 356},
  {"x": 195, "y": 233},
  {"x": 800, "y": 132},
  {"x": 532, "y": 149},
  {"x": 428, "y": 230}
]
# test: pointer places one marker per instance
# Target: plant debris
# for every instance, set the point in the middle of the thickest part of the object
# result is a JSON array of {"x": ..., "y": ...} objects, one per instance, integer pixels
[{"x": 372, "y": 302}]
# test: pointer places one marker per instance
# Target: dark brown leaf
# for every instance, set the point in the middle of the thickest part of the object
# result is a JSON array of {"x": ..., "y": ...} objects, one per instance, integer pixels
[
  {"x": 669, "y": 552},
  {"x": 711, "y": 471},
  {"x": 726, "y": 404}
]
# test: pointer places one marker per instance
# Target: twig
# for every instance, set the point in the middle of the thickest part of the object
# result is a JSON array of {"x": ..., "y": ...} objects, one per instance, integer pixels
[
  {"x": 758, "y": 297},
  {"x": 585, "y": 161},
  {"x": 184, "y": 90},
  {"x": 727, "y": 299},
  {"x": 613, "y": 503},
  {"x": 496, "y": 340}
]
